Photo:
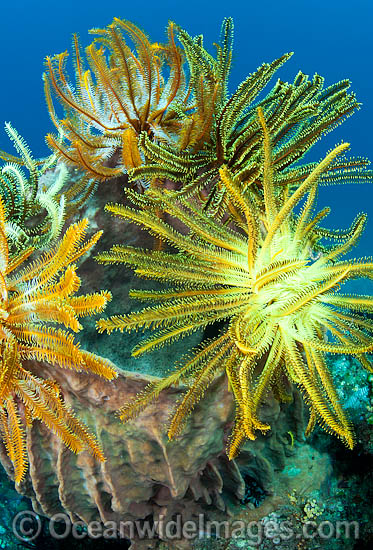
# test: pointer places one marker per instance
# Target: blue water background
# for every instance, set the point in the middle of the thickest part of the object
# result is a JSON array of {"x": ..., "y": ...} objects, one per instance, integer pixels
[{"x": 332, "y": 38}]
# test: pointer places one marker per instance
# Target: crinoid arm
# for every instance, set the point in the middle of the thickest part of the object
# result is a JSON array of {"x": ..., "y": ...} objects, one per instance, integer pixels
[
  {"x": 132, "y": 86},
  {"x": 34, "y": 299},
  {"x": 261, "y": 278}
]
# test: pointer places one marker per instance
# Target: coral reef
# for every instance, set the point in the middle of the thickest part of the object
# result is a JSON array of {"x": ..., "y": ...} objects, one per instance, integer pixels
[{"x": 235, "y": 265}]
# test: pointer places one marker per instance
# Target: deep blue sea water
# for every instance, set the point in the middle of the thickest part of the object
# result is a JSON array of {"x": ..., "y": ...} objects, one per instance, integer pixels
[{"x": 330, "y": 37}]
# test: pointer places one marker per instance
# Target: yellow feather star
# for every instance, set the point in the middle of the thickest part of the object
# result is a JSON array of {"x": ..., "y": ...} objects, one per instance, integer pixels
[
  {"x": 129, "y": 90},
  {"x": 31, "y": 300},
  {"x": 280, "y": 301}
]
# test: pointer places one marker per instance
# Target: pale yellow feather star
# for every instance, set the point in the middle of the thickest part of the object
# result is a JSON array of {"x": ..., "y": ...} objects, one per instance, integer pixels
[{"x": 271, "y": 280}]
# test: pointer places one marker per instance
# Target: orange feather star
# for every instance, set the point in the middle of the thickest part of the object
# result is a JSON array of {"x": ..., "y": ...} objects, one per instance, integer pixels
[
  {"x": 125, "y": 93},
  {"x": 32, "y": 300}
]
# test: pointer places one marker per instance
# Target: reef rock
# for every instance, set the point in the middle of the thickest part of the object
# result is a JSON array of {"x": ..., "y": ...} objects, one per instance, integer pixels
[{"x": 146, "y": 477}]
